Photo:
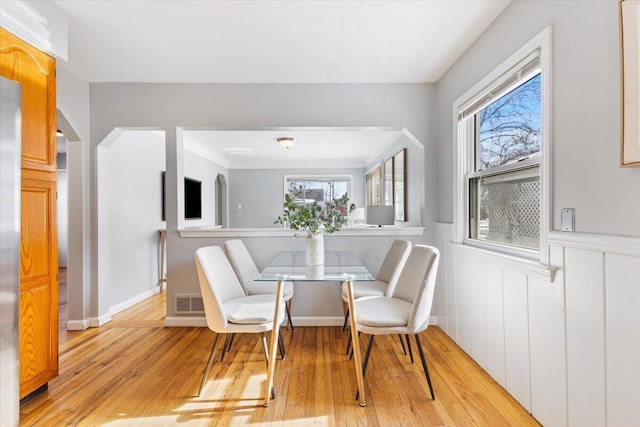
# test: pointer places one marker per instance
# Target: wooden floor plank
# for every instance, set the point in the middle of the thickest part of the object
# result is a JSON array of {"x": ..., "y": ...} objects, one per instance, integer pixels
[{"x": 135, "y": 372}]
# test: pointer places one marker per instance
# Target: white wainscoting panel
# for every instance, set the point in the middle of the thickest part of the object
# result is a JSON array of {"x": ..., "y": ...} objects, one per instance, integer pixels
[
  {"x": 547, "y": 347},
  {"x": 450, "y": 291},
  {"x": 571, "y": 346},
  {"x": 494, "y": 362},
  {"x": 623, "y": 339},
  {"x": 440, "y": 297},
  {"x": 470, "y": 310},
  {"x": 584, "y": 273},
  {"x": 516, "y": 336}
]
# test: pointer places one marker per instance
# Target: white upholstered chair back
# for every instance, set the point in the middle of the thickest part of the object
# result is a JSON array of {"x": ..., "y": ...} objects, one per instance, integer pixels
[
  {"x": 241, "y": 261},
  {"x": 392, "y": 265},
  {"x": 416, "y": 285},
  {"x": 218, "y": 284}
]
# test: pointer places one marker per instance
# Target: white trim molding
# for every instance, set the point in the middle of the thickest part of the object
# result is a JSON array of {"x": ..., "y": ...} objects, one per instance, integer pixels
[
  {"x": 77, "y": 325},
  {"x": 133, "y": 301},
  {"x": 95, "y": 322},
  {"x": 285, "y": 232},
  {"x": 623, "y": 245},
  {"x": 201, "y": 321},
  {"x": 185, "y": 321}
]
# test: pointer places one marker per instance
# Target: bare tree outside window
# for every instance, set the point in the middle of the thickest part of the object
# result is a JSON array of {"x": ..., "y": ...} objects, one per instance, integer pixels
[
  {"x": 510, "y": 126},
  {"x": 320, "y": 190}
]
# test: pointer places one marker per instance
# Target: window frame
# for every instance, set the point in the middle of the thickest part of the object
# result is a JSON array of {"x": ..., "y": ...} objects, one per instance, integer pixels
[
  {"x": 465, "y": 135},
  {"x": 348, "y": 178}
]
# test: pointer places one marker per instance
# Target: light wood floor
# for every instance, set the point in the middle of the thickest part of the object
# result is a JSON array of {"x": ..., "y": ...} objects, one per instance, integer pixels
[{"x": 133, "y": 371}]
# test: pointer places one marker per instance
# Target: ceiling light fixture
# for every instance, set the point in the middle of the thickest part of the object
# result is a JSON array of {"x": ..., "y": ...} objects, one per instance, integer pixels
[{"x": 286, "y": 142}]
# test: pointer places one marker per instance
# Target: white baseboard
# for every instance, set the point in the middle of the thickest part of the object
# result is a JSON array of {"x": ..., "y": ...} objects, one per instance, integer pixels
[
  {"x": 77, "y": 325},
  {"x": 317, "y": 321},
  {"x": 201, "y": 321},
  {"x": 185, "y": 321},
  {"x": 133, "y": 301},
  {"x": 94, "y": 322}
]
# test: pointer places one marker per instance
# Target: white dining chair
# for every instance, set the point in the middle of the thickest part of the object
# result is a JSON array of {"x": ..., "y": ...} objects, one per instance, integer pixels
[
  {"x": 407, "y": 310},
  {"x": 386, "y": 278},
  {"x": 385, "y": 282},
  {"x": 246, "y": 270},
  {"x": 227, "y": 308}
]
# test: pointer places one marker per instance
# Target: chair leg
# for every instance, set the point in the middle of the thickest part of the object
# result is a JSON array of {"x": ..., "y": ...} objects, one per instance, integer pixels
[
  {"x": 283, "y": 354},
  {"x": 286, "y": 307},
  {"x": 409, "y": 345},
  {"x": 424, "y": 366},
  {"x": 366, "y": 355},
  {"x": 231, "y": 337},
  {"x": 404, "y": 350},
  {"x": 348, "y": 345},
  {"x": 346, "y": 321},
  {"x": 227, "y": 345},
  {"x": 366, "y": 361},
  {"x": 205, "y": 374},
  {"x": 264, "y": 346}
]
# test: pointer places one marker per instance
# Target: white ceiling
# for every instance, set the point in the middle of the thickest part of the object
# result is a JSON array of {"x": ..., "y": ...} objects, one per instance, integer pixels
[
  {"x": 314, "y": 148},
  {"x": 271, "y": 41},
  {"x": 274, "y": 42}
]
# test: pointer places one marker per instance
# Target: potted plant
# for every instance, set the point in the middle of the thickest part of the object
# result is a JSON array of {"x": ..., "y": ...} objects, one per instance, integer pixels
[{"x": 315, "y": 219}]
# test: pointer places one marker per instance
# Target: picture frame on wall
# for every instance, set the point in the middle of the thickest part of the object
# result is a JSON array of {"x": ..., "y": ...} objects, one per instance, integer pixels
[
  {"x": 629, "y": 16},
  {"x": 400, "y": 185},
  {"x": 388, "y": 182}
]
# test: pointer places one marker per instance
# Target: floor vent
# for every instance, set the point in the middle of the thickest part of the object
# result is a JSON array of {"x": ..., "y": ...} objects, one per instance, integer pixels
[{"x": 189, "y": 304}]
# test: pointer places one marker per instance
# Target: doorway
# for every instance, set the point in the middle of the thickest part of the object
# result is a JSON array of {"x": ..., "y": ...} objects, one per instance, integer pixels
[{"x": 221, "y": 201}]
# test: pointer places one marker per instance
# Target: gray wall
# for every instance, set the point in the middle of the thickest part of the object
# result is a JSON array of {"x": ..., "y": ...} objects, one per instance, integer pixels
[
  {"x": 167, "y": 106},
  {"x": 585, "y": 110},
  {"x": 132, "y": 193},
  {"x": 261, "y": 191}
]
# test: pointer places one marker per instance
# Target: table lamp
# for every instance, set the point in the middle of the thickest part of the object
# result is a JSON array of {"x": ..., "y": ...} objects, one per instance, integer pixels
[{"x": 380, "y": 215}]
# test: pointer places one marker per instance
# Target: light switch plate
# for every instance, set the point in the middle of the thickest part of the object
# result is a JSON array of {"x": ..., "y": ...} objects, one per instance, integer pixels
[{"x": 567, "y": 219}]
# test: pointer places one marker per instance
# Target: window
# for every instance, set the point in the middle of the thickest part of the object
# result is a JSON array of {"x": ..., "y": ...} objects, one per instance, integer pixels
[
  {"x": 501, "y": 135},
  {"x": 321, "y": 189}
]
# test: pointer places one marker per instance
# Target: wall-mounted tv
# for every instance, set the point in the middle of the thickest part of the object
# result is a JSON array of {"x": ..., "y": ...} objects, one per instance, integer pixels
[
  {"x": 164, "y": 203},
  {"x": 192, "y": 199}
]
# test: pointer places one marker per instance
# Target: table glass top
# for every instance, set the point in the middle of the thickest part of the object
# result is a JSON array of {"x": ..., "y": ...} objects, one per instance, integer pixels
[{"x": 339, "y": 266}]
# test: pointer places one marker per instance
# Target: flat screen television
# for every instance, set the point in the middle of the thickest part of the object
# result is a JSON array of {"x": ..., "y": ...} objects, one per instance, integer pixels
[
  {"x": 192, "y": 199},
  {"x": 164, "y": 203}
]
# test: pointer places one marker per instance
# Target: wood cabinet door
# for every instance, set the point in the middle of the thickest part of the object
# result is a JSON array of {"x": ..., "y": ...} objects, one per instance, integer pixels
[
  {"x": 35, "y": 71},
  {"x": 38, "y": 285},
  {"x": 38, "y": 328}
]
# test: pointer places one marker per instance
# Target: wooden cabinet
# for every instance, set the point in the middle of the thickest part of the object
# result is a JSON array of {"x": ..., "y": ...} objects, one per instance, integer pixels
[{"x": 35, "y": 71}]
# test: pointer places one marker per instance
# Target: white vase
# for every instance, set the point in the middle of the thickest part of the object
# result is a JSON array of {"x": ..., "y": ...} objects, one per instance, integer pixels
[
  {"x": 315, "y": 272},
  {"x": 315, "y": 248}
]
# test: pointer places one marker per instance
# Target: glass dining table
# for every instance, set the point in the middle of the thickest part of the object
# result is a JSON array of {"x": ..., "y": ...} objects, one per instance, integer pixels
[{"x": 339, "y": 266}]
